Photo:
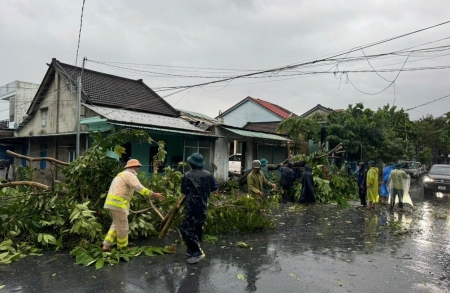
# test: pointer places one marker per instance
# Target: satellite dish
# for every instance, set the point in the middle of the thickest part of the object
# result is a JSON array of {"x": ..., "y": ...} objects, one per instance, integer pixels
[{"x": 16, "y": 125}]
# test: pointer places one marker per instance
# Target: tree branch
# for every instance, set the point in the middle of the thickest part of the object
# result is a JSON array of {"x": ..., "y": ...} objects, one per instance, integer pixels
[
  {"x": 32, "y": 159},
  {"x": 26, "y": 183}
]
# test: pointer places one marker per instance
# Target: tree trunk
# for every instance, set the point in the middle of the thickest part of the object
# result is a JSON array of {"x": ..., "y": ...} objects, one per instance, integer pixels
[{"x": 170, "y": 217}]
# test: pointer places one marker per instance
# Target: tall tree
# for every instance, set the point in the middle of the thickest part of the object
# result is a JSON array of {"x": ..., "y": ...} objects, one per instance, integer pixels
[
  {"x": 301, "y": 130},
  {"x": 433, "y": 133}
]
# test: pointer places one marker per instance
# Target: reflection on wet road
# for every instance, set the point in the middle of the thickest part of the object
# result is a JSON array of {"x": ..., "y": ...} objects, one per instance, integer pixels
[{"x": 312, "y": 249}]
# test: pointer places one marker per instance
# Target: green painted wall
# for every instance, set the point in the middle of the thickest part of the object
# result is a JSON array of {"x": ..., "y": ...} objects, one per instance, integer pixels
[{"x": 174, "y": 144}]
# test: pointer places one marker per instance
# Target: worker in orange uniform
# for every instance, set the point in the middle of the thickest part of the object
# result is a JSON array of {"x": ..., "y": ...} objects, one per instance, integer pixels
[{"x": 118, "y": 203}]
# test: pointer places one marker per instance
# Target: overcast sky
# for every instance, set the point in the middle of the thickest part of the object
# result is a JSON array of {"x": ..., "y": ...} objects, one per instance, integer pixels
[{"x": 236, "y": 34}]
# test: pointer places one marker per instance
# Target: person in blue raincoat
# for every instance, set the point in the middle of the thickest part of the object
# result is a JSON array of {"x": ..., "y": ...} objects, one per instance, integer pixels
[{"x": 383, "y": 189}]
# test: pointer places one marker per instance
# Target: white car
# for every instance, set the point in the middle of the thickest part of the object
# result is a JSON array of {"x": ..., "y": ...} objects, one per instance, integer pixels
[{"x": 234, "y": 165}]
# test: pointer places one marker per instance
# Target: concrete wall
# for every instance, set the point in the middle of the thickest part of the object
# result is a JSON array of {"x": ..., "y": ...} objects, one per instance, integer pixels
[
  {"x": 221, "y": 156},
  {"x": 249, "y": 112},
  {"x": 19, "y": 94},
  {"x": 24, "y": 96},
  {"x": 61, "y": 106}
]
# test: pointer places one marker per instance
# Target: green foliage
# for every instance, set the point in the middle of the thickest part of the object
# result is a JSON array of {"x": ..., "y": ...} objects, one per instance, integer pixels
[
  {"x": 435, "y": 136},
  {"x": 85, "y": 222},
  {"x": 87, "y": 254},
  {"x": 72, "y": 216},
  {"x": 10, "y": 252},
  {"x": 384, "y": 134},
  {"x": 330, "y": 184},
  {"x": 300, "y": 129},
  {"x": 230, "y": 214}
]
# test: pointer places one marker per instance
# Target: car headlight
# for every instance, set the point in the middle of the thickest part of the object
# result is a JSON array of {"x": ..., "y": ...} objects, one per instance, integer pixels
[{"x": 427, "y": 179}]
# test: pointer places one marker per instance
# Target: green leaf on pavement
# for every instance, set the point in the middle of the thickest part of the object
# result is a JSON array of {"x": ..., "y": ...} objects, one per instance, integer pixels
[{"x": 241, "y": 277}]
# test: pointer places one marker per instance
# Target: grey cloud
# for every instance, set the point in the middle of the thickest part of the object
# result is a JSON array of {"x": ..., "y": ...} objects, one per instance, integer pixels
[{"x": 231, "y": 34}]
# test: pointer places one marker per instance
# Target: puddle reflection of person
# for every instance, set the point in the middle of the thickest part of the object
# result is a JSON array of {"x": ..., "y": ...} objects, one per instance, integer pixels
[
  {"x": 370, "y": 230},
  {"x": 190, "y": 282}
]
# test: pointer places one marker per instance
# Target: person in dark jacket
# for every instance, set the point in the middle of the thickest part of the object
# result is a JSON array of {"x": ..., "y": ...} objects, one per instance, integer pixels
[
  {"x": 361, "y": 174},
  {"x": 287, "y": 182},
  {"x": 307, "y": 182},
  {"x": 197, "y": 184}
]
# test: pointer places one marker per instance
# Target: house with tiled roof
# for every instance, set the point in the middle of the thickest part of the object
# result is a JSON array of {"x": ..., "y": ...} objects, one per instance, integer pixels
[
  {"x": 250, "y": 126},
  {"x": 267, "y": 127},
  {"x": 253, "y": 110},
  {"x": 107, "y": 102}
]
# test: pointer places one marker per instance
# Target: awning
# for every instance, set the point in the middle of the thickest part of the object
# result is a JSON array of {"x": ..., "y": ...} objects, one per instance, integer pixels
[
  {"x": 167, "y": 130},
  {"x": 255, "y": 134}
]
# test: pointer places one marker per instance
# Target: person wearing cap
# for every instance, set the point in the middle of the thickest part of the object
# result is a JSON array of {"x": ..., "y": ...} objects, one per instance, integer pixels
[
  {"x": 118, "y": 203},
  {"x": 287, "y": 182},
  {"x": 383, "y": 189},
  {"x": 396, "y": 179},
  {"x": 372, "y": 185},
  {"x": 197, "y": 185},
  {"x": 256, "y": 181},
  {"x": 361, "y": 174}
]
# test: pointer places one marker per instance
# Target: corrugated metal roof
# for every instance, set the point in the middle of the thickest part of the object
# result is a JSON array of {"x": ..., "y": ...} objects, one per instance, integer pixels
[
  {"x": 145, "y": 119},
  {"x": 166, "y": 130},
  {"x": 262, "y": 135},
  {"x": 200, "y": 115},
  {"x": 46, "y": 135}
]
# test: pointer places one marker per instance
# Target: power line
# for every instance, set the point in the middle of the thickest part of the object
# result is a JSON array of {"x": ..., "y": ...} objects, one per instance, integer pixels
[
  {"x": 79, "y": 33},
  {"x": 435, "y": 100},
  {"x": 273, "y": 71}
]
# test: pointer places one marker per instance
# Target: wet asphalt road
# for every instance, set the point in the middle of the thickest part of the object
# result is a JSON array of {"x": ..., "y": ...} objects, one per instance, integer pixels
[{"x": 312, "y": 249}]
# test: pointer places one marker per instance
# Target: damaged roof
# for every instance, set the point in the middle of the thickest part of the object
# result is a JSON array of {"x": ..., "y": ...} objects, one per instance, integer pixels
[{"x": 144, "y": 119}]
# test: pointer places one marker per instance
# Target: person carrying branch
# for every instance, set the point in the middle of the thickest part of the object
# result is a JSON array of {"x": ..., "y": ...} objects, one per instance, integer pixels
[
  {"x": 118, "y": 203},
  {"x": 197, "y": 185},
  {"x": 256, "y": 181}
]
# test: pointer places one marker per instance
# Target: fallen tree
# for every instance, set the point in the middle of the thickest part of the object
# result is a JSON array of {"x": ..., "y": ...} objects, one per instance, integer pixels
[
  {"x": 72, "y": 215},
  {"x": 317, "y": 156}
]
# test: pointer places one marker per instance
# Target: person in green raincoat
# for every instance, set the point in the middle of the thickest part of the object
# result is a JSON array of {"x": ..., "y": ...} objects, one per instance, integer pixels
[
  {"x": 372, "y": 185},
  {"x": 256, "y": 181},
  {"x": 264, "y": 168}
]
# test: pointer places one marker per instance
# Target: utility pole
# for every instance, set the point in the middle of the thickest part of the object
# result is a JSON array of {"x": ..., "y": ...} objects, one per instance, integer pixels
[
  {"x": 79, "y": 111},
  {"x": 78, "y": 116}
]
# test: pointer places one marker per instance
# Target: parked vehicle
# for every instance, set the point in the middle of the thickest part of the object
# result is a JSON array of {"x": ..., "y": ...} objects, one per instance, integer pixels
[
  {"x": 234, "y": 164},
  {"x": 412, "y": 168},
  {"x": 437, "y": 180}
]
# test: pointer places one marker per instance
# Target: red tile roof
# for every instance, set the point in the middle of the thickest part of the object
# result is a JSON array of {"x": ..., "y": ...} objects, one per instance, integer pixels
[
  {"x": 280, "y": 111},
  {"x": 277, "y": 110}
]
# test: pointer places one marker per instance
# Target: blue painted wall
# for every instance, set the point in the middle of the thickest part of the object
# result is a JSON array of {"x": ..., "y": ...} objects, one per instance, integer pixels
[{"x": 249, "y": 112}]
